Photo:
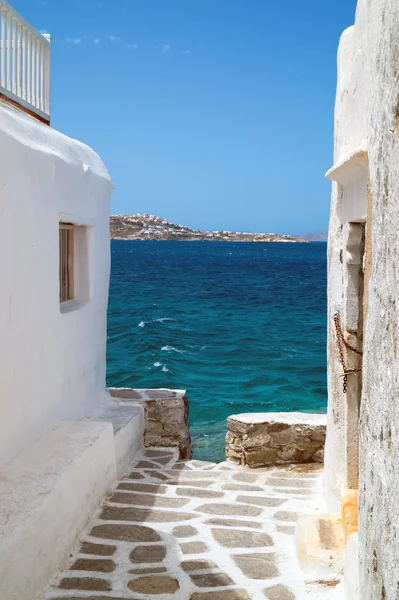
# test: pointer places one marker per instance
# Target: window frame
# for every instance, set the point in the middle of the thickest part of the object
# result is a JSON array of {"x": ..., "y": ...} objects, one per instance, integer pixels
[{"x": 67, "y": 284}]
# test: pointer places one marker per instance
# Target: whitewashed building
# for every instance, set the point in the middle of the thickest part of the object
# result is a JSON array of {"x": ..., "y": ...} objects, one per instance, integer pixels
[
  {"x": 58, "y": 456},
  {"x": 362, "y": 453}
]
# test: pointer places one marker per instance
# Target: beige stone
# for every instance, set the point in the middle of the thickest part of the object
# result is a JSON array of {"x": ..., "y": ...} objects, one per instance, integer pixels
[
  {"x": 146, "y": 500},
  {"x": 261, "y": 501},
  {"x": 210, "y": 580},
  {"x": 94, "y": 584},
  {"x": 288, "y": 529},
  {"x": 241, "y": 539},
  {"x": 229, "y": 510},
  {"x": 150, "y": 488},
  {"x": 148, "y": 554},
  {"x": 233, "y": 523},
  {"x": 193, "y": 547},
  {"x": 113, "y": 513},
  {"x": 222, "y": 595},
  {"x": 97, "y": 549},
  {"x": 147, "y": 570},
  {"x": 125, "y": 533},
  {"x": 198, "y": 493},
  {"x": 184, "y": 531},
  {"x": 102, "y": 597},
  {"x": 153, "y": 427},
  {"x": 260, "y": 457},
  {"x": 257, "y": 566},
  {"x": 93, "y": 564},
  {"x": 236, "y": 487},
  {"x": 198, "y": 565},
  {"x": 154, "y": 585},
  {"x": 284, "y": 515},
  {"x": 279, "y": 592}
]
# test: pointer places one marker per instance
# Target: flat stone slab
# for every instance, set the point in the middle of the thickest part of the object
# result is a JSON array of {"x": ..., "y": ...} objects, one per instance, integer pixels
[
  {"x": 184, "y": 531},
  {"x": 114, "y": 513},
  {"x": 193, "y": 547},
  {"x": 242, "y": 539},
  {"x": 257, "y": 566},
  {"x": 101, "y": 565},
  {"x": 230, "y": 510},
  {"x": 91, "y": 584},
  {"x": 154, "y": 585},
  {"x": 97, "y": 549},
  {"x": 265, "y": 439},
  {"x": 279, "y": 592},
  {"x": 189, "y": 566},
  {"x": 225, "y": 595},
  {"x": 148, "y": 554},
  {"x": 211, "y": 580},
  {"x": 125, "y": 533}
]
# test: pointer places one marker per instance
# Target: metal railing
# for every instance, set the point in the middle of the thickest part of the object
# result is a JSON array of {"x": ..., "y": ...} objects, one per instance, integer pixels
[{"x": 24, "y": 62}]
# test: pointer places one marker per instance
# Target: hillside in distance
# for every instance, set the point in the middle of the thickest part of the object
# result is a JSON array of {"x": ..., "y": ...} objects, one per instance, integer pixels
[
  {"x": 315, "y": 237},
  {"x": 150, "y": 227}
]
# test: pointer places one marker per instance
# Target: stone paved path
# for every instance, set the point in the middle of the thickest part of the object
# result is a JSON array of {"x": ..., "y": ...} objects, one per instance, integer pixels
[{"x": 196, "y": 531}]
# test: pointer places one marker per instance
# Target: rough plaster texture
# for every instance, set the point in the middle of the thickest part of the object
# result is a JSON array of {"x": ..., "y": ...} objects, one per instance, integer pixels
[
  {"x": 263, "y": 439},
  {"x": 367, "y": 117},
  {"x": 350, "y": 142},
  {"x": 52, "y": 364},
  {"x": 379, "y": 432}
]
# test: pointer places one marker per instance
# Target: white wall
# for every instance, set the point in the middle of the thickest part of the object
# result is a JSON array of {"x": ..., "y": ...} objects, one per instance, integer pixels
[
  {"x": 351, "y": 119},
  {"x": 368, "y": 93},
  {"x": 52, "y": 364},
  {"x": 379, "y": 432}
]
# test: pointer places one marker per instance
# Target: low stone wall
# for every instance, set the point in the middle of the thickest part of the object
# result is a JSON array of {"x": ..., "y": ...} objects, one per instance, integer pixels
[
  {"x": 165, "y": 415},
  {"x": 264, "y": 439}
]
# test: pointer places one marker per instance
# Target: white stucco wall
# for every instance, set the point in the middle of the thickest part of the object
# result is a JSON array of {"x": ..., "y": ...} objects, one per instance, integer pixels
[
  {"x": 379, "y": 432},
  {"x": 52, "y": 364},
  {"x": 369, "y": 94},
  {"x": 351, "y": 118}
]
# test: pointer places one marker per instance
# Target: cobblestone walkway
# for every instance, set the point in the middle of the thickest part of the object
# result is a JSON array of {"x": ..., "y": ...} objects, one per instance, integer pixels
[{"x": 195, "y": 531}]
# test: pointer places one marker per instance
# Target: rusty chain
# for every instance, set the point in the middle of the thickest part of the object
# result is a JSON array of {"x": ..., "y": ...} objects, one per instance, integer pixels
[{"x": 341, "y": 343}]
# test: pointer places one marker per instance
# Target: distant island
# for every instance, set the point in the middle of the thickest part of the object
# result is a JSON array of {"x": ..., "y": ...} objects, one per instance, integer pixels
[
  {"x": 315, "y": 237},
  {"x": 150, "y": 227}
]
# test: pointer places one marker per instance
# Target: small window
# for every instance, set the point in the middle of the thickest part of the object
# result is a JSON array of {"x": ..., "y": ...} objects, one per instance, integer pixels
[{"x": 67, "y": 251}]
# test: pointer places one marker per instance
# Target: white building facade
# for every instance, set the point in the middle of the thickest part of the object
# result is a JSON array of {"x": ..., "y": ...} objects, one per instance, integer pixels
[
  {"x": 57, "y": 460},
  {"x": 362, "y": 451}
]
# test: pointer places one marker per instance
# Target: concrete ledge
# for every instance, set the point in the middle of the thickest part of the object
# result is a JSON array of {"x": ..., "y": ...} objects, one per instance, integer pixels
[
  {"x": 47, "y": 495},
  {"x": 165, "y": 416},
  {"x": 264, "y": 439},
  {"x": 128, "y": 424}
]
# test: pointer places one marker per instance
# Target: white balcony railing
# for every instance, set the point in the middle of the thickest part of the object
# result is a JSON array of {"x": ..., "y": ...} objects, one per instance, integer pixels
[{"x": 24, "y": 63}]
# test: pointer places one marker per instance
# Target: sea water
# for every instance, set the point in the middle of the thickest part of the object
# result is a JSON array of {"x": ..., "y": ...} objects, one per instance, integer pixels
[{"x": 240, "y": 326}]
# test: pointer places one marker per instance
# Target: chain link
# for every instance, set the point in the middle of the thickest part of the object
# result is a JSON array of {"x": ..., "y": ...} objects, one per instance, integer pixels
[{"x": 341, "y": 343}]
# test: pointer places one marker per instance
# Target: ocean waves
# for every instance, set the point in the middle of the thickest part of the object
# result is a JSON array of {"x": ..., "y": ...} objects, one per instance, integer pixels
[{"x": 240, "y": 326}]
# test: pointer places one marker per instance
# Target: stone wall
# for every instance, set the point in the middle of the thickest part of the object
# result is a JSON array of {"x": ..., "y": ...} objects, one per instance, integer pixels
[
  {"x": 264, "y": 439},
  {"x": 166, "y": 417}
]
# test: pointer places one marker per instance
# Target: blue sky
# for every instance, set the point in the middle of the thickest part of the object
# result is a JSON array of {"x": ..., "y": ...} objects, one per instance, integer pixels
[{"x": 216, "y": 114}]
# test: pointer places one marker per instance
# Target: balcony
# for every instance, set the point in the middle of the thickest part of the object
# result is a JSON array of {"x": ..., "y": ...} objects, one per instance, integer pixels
[{"x": 24, "y": 64}]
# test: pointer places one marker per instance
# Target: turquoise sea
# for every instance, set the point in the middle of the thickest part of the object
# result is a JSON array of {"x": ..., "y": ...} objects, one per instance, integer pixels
[{"x": 240, "y": 326}]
